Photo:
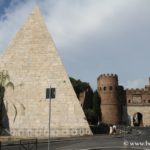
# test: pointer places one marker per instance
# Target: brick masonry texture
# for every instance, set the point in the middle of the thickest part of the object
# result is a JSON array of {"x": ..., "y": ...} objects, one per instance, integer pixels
[{"x": 119, "y": 105}]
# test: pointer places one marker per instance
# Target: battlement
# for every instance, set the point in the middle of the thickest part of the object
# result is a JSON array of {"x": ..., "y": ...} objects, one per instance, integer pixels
[
  {"x": 135, "y": 91},
  {"x": 108, "y": 76}
]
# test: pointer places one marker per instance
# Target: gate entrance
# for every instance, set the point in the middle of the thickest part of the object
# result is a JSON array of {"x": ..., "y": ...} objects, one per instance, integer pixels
[{"x": 138, "y": 119}]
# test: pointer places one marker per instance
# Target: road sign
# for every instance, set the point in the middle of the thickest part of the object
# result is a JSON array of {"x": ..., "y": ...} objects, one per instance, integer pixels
[{"x": 50, "y": 93}]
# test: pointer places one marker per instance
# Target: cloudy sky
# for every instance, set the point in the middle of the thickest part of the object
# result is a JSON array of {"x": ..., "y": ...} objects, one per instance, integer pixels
[{"x": 92, "y": 36}]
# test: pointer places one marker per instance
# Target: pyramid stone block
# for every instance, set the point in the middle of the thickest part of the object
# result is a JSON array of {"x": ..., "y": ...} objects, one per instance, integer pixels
[{"x": 33, "y": 64}]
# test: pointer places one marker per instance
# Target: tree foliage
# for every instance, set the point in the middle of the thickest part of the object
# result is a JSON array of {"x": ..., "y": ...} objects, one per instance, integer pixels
[
  {"x": 91, "y": 104},
  {"x": 88, "y": 104},
  {"x": 96, "y": 105},
  {"x": 78, "y": 86},
  {"x": 90, "y": 116}
]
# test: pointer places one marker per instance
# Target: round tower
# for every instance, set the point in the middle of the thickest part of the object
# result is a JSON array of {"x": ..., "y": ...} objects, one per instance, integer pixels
[{"x": 107, "y": 85}]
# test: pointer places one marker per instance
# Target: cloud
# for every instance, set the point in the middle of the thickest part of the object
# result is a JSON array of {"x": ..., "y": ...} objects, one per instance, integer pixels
[
  {"x": 138, "y": 83},
  {"x": 69, "y": 21},
  {"x": 11, "y": 21},
  {"x": 92, "y": 36}
]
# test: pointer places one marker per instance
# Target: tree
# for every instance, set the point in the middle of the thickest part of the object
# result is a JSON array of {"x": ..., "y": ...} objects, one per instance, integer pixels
[
  {"x": 88, "y": 98},
  {"x": 78, "y": 86},
  {"x": 4, "y": 83},
  {"x": 96, "y": 105},
  {"x": 90, "y": 116}
]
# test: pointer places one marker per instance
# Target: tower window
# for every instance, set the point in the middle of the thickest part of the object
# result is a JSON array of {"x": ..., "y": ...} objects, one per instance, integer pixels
[
  {"x": 104, "y": 88},
  {"x": 110, "y": 88},
  {"x": 129, "y": 101}
]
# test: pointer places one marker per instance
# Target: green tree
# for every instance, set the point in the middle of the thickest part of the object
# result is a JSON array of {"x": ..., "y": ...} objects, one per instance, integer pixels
[
  {"x": 96, "y": 105},
  {"x": 91, "y": 112},
  {"x": 88, "y": 104},
  {"x": 78, "y": 86},
  {"x": 4, "y": 82},
  {"x": 90, "y": 116}
]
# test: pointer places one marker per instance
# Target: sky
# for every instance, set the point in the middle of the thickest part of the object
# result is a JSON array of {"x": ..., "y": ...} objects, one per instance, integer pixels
[{"x": 93, "y": 37}]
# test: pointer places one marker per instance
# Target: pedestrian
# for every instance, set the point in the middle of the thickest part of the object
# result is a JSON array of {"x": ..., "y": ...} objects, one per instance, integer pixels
[
  {"x": 110, "y": 129},
  {"x": 114, "y": 128}
]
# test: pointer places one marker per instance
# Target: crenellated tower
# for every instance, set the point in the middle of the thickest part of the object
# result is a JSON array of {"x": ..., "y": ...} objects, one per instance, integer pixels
[{"x": 107, "y": 85}]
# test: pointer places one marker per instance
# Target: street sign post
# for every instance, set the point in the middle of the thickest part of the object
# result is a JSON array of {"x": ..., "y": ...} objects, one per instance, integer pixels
[{"x": 50, "y": 94}]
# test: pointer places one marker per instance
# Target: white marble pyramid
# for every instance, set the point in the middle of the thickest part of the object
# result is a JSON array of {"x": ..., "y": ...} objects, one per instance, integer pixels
[{"x": 33, "y": 64}]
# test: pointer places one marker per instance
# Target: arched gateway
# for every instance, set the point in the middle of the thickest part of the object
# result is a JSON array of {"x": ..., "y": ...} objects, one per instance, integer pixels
[{"x": 138, "y": 119}]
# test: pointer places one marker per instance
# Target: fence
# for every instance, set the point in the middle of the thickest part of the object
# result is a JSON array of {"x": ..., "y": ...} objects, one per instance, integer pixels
[
  {"x": 31, "y": 144},
  {"x": 124, "y": 129}
]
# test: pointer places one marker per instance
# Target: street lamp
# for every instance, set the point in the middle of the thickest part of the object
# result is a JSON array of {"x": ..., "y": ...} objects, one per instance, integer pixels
[{"x": 50, "y": 94}]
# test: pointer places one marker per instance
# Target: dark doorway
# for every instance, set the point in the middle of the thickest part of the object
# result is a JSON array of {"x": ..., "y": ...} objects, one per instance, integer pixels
[{"x": 138, "y": 119}]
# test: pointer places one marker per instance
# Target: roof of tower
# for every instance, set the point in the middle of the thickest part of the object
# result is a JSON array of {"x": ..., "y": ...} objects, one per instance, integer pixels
[{"x": 108, "y": 76}]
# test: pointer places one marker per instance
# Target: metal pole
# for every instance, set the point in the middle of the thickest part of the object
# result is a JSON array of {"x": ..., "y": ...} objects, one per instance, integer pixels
[
  {"x": 49, "y": 118},
  {"x": 36, "y": 144}
]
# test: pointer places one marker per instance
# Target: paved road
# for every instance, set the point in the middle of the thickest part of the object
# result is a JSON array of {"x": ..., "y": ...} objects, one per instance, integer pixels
[{"x": 139, "y": 140}]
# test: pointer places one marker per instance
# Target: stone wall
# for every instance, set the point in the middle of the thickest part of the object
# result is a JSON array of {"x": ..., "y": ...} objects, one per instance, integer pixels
[{"x": 144, "y": 110}]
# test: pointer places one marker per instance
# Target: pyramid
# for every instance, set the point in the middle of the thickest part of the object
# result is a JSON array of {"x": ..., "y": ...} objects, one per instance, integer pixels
[{"x": 34, "y": 65}]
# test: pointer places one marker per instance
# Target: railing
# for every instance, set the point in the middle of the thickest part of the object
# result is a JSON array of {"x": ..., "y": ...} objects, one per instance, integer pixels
[{"x": 29, "y": 144}]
